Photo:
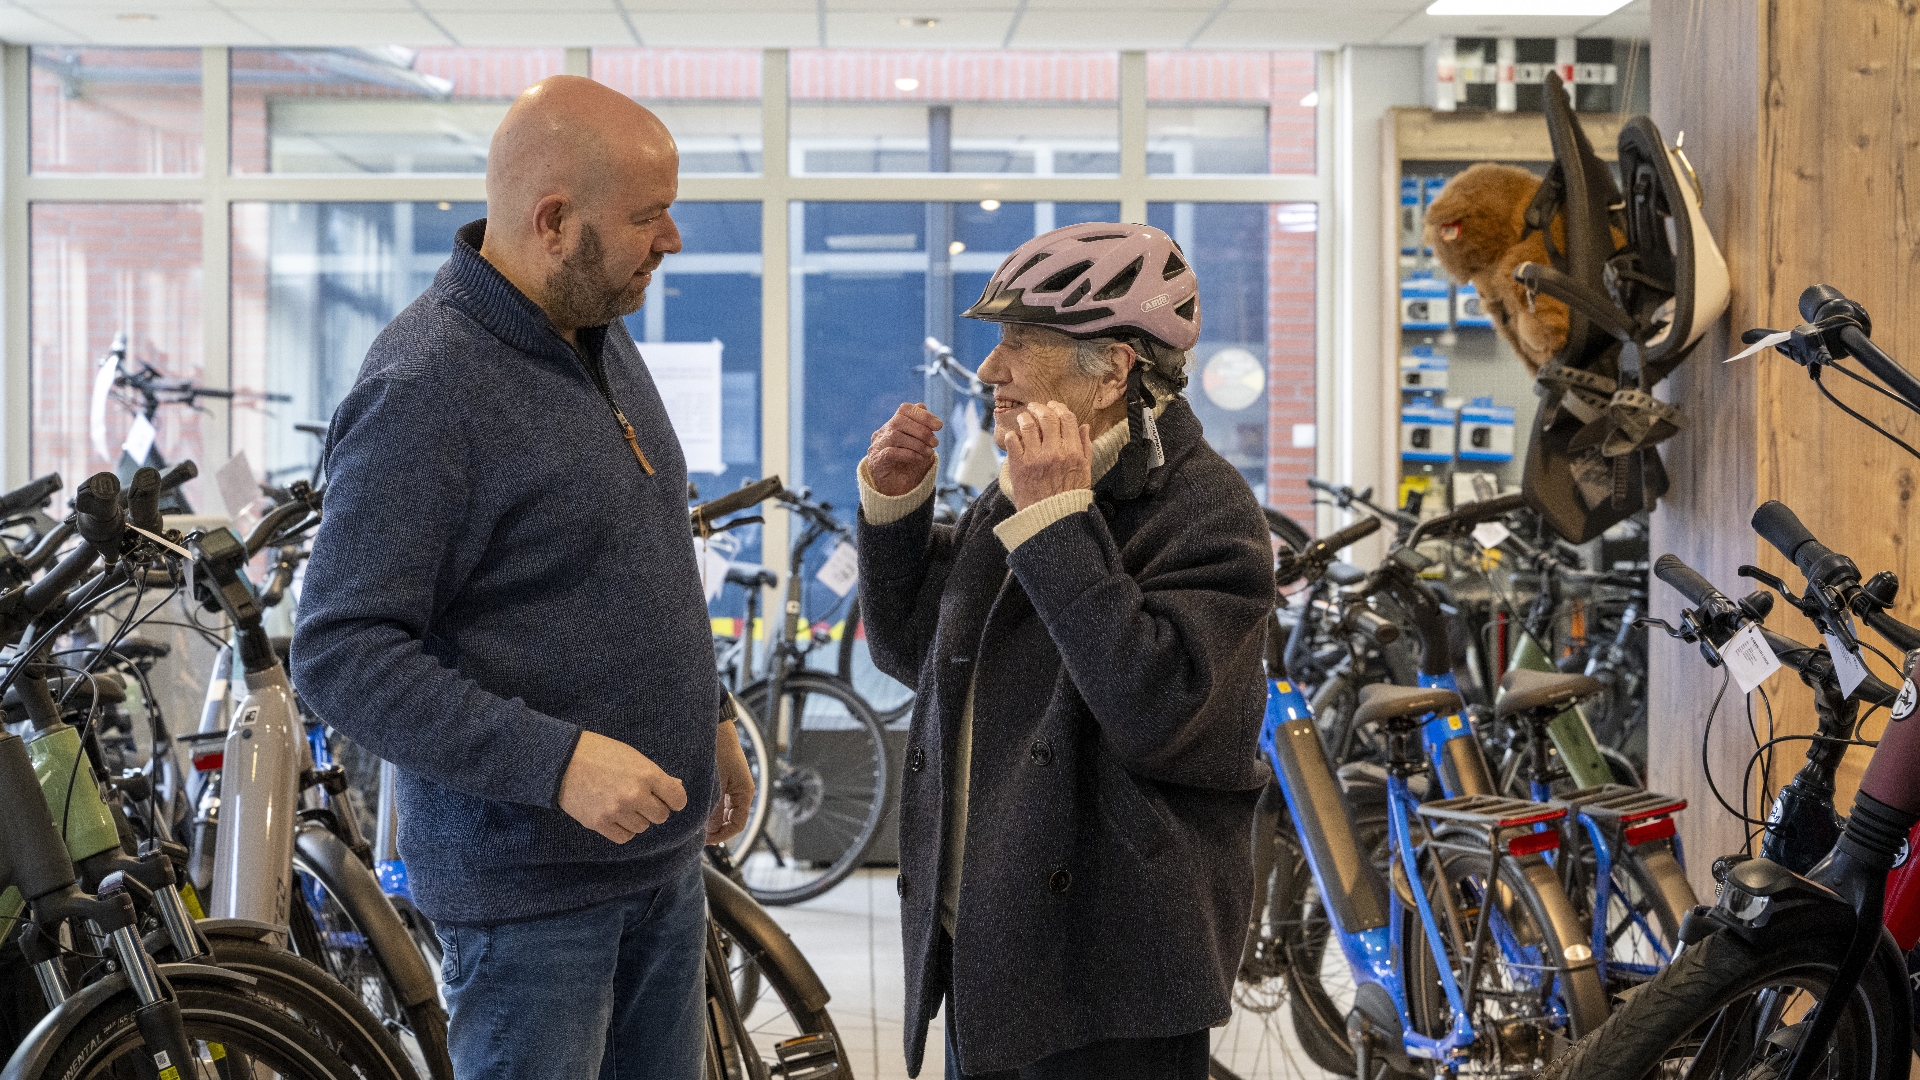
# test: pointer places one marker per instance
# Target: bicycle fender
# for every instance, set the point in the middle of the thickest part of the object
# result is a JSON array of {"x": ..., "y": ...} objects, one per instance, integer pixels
[
  {"x": 739, "y": 907},
  {"x": 323, "y": 855},
  {"x": 30, "y": 1058}
]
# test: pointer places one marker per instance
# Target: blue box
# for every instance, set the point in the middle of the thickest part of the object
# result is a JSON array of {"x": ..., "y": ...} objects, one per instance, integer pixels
[
  {"x": 1426, "y": 432},
  {"x": 1411, "y": 217},
  {"x": 1486, "y": 431},
  {"x": 1422, "y": 369},
  {"x": 1466, "y": 307},
  {"x": 1424, "y": 304}
]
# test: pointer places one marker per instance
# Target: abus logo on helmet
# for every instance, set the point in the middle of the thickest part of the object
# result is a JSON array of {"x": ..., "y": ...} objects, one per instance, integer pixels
[{"x": 1157, "y": 302}]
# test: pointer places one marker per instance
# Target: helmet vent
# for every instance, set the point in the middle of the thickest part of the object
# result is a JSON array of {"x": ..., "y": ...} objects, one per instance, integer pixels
[
  {"x": 1028, "y": 265},
  {"x": 1103, "y": 236},
  {"x": 1074, "y": 296},
  {"x": 1122, "y": 281},
  {"x": 1185, "y": 310},
  {"x": 1064, "y": 278},
  {"x": 1175, "y": 264}
]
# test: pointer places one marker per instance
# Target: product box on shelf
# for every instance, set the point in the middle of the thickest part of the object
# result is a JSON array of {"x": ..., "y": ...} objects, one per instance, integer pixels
[
  {"x": 1411, "y": 219},
  {"x": 1423, "y": 303},
  {"x": 1486, "y": 431},
  {"x": 1426, "y": 431},
  {"x": 1466, "y": 307},
  {"x": 1423, "y": 369}
]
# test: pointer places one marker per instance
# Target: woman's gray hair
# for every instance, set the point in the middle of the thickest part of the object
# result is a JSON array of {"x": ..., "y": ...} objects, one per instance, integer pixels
[{"x": 1165, "y": 369}]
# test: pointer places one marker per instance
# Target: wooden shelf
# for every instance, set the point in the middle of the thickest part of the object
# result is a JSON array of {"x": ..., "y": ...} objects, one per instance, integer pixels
[{"x": 1425, "y": 135}]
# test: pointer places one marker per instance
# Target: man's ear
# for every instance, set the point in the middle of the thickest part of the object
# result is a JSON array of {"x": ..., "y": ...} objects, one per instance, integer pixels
[
  {"x": 551, "y": 215},
  {"x": 1113, "y": 386}
]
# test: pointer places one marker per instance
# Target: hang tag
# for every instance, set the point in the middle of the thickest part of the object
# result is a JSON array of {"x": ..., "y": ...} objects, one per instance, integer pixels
[
  {"x": 1903, "y": 705},
  {"x": 1847, "y": 666},
  {"x": 1491, "y": 534},
  {"x": 842, "y": 570},
  {"x": 714, "y": 565},
  {"x": 162, "y": 541},
  {"x": 139, "y": 440},
  {"x": 1767, "y": 342},
  {"x": 1746, "y": 655}
]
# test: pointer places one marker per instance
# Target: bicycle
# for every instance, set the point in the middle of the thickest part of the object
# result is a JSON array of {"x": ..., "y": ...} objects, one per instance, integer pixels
[{"x": 825, "y": 755}]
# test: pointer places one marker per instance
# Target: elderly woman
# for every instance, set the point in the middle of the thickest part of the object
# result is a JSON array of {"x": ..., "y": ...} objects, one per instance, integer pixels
[{"x": 1086, "y": 641}]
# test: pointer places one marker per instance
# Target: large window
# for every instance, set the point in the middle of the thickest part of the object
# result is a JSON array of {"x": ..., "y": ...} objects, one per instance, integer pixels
[{"x": 897, "y": 184}]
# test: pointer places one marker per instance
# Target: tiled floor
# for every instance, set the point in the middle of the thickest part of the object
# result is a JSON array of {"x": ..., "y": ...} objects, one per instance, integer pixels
[{"x": 851, "y": 936}]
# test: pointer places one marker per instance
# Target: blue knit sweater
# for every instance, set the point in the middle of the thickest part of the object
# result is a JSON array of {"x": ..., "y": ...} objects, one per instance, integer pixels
[{"x": 495, "y": 574}]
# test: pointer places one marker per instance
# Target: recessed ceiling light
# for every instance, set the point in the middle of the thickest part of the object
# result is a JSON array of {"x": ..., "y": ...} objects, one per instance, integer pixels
[
  {"x": 906, "y": 85},
  {"x": 1583, "y": 8},
  {"x": 922, "y": 22},
  {"x": 989, "y": 205},
  {"x": 445, "y": 206},
  {"x": 1311, "y": 101},
  {"x": 137, "y": 16},
  {"x": 956, "y": 248}
]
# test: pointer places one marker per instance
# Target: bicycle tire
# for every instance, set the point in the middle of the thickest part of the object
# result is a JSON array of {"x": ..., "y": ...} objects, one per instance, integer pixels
[
  {"x": 755, "y": 747},
  {"x": 1718, "y": 975},
  {"x": 1658, "y": 891},
  {"x": 775, "y": 965},
  {"x": 848, "y": 811},
  {"x": 843, "y": 666},
  {"x": 248, "y": 1028},
  {"x": 330, "y": 1010},
  {"x": 363, "y": 970}
]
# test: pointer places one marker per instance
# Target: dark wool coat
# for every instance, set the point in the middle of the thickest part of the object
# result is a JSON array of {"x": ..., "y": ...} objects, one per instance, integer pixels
[{"x": 1107, "y": 879}]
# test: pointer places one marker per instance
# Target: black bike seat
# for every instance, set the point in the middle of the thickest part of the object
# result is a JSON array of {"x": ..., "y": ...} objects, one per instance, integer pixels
[
  {"x": 1543, "y": 691},
  {"x": 757, "y": 577},
  {"x": 1384, "y": 704},
  {"x": 137, "y": 648}
]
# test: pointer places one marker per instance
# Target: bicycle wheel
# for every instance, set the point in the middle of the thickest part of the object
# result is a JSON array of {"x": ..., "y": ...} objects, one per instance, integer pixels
[
  {"x": 891, "y": 699},
  {"x": 1648, "y": 898},
  {"x": 1286, "y": 968},
  {"x": 234, "y": 1032},
  {"x": 755, "y": 747},
  {"x": 325, "y": 932},
  {"x": 330, "y": 1011},
  {"x": 828, "y": 793},
  {"x": 1729, "y": 1009},
  {"x": 760, "y": 956},
  {"x": 1536, "y": 983}
]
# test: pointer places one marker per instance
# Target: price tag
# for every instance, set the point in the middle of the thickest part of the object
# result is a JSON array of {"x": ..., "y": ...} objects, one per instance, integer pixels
[
  {"x": 1767, "y": 342},
  {"x": 1490, "y": 534},
  {"x": 139, "y": 440},
  {"x": 842, "y": 570},
  {"x": 1748, "y": 657},
  {"x": 1847, "y": 666},
  {"x": 713, "y": 569}
]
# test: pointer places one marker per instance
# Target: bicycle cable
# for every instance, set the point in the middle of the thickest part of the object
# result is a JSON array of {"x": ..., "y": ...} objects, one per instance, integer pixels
[
  {"x": 1706, "y": 763},
  {"x": 1875, "y": 387},
  {"x": 1814, "y": 373}
]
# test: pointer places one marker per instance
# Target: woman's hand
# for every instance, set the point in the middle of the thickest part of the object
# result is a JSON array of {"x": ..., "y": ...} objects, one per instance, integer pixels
[
  {"x": 903, "y": 450},
  {"x": 1049, "y": 451}
]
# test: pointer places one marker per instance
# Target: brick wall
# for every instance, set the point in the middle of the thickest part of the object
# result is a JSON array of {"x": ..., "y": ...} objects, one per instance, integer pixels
[
  {"x": 1291, "y": 365},
  {"x": 147, "y": 124}
]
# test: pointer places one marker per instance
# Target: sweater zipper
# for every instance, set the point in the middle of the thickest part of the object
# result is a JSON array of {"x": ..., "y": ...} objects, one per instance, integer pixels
[{"x": 626, "y": 429}]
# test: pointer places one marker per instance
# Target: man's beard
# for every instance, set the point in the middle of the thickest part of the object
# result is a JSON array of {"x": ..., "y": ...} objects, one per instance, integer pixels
[{"x": 581, "y": 293}]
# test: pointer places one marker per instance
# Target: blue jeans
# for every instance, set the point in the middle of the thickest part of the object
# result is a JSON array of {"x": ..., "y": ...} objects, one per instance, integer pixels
[{"x": 615, "y": 991}]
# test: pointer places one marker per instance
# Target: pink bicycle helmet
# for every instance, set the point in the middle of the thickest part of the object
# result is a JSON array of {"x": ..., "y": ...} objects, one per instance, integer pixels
[{"x": 1098, "y": 280}]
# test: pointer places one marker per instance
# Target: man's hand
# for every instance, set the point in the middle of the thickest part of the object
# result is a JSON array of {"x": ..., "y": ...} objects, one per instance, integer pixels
[
  {"x": 1049, "y": 451},
  {"x": 903, "y": 450},
  {"x": 736, "y": 787},
  {"x": 617, "y": 791}
]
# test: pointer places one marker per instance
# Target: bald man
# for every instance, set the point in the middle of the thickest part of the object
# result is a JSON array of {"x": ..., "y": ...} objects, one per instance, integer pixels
[{"x": 503, "y": 602}]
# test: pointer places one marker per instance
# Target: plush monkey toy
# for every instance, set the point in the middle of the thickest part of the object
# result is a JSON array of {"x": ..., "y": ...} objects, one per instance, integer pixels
[{"x": 1475, "y": 226}]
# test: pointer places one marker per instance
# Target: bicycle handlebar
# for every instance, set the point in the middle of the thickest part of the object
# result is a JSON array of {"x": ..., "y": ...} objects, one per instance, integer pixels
[
  {"x": 1714, "y": 609},
  {"x": 97, "y": 514},
  {"x": 757, "y": 492},
  {"x": 178, "y": 475},
  {"x": 1780, "y": 526},
  {"x": 33, "y": 496},
  {"x": 143, "y": 500},
  {"x": 271, "y": 525},
  {"x": 48, "y": 547},
  {"x": 1472, "y": 513}
]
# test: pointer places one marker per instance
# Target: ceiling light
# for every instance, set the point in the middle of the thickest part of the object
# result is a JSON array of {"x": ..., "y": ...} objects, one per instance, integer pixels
[
  {"x": 137, "y": 16},
  {"x": 445, "y": 205},
  {"x": 1583, "y": 8},
  {"x": 922, "y": 23},
  {"x": 906, "y": 85},
  {"x": 989, "y": 205},
  {"x": 1311, "y": 101},
  {"x": 956, "y": 248}
]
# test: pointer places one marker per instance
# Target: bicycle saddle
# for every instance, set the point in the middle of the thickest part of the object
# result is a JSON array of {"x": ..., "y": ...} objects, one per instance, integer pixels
[
  {"x": 1544, "y": 691},
  {"x": 137, "y": 648},
  {"x": 752, "y": 577},
  {"x": 1389, "y": 706}
]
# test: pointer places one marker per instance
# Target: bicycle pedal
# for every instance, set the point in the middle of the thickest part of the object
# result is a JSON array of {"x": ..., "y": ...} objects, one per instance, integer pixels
[{"x": 807, "y": 1057}]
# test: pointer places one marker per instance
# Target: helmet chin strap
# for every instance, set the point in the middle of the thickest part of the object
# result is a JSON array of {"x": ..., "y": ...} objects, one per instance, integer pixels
[{"x": 1143, "y": 452}]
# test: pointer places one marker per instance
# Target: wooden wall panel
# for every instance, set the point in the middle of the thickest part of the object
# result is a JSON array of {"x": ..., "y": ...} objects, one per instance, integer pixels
[{"x": 1801, "y": 120}]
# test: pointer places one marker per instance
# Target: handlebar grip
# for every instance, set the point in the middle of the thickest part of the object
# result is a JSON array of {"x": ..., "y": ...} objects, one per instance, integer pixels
[
  {"x": 1697, "y": 589},
  {"x": 1357, "y": 531},
  {"x": 178, "y": 475},
  {"x": 270, "y": 526},
  {"x": 1488, "y": 509},
  {"x": 1778, "y": 525},
  {"x": 1815, "y": 300},
  {"x": 757, "y": 492},
  {"x": 1384, "y": 631},
  {"x": 31, "y": 497},
  {"x": 98, "y": 516},
  {"x": 143, "y": 499}
]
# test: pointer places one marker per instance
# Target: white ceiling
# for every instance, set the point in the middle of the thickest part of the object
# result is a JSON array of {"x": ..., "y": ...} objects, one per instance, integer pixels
[{"x": 962, "y": 24}]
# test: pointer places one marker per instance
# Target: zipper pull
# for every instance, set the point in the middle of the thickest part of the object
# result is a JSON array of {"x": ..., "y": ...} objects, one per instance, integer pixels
[{"x": 634, "y": 442}]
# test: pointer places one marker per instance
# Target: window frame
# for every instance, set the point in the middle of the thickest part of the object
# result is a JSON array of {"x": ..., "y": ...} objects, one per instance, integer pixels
[{"x": 217, "y": 189}]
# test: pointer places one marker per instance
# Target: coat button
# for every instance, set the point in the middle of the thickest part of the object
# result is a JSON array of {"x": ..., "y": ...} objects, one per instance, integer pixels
[
  {"x": 1042, "y": 753},
  {"x": 900, "y": 884},
  {"x": 1060, "y": 880},
  {"x": 916, "y": 760}
]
